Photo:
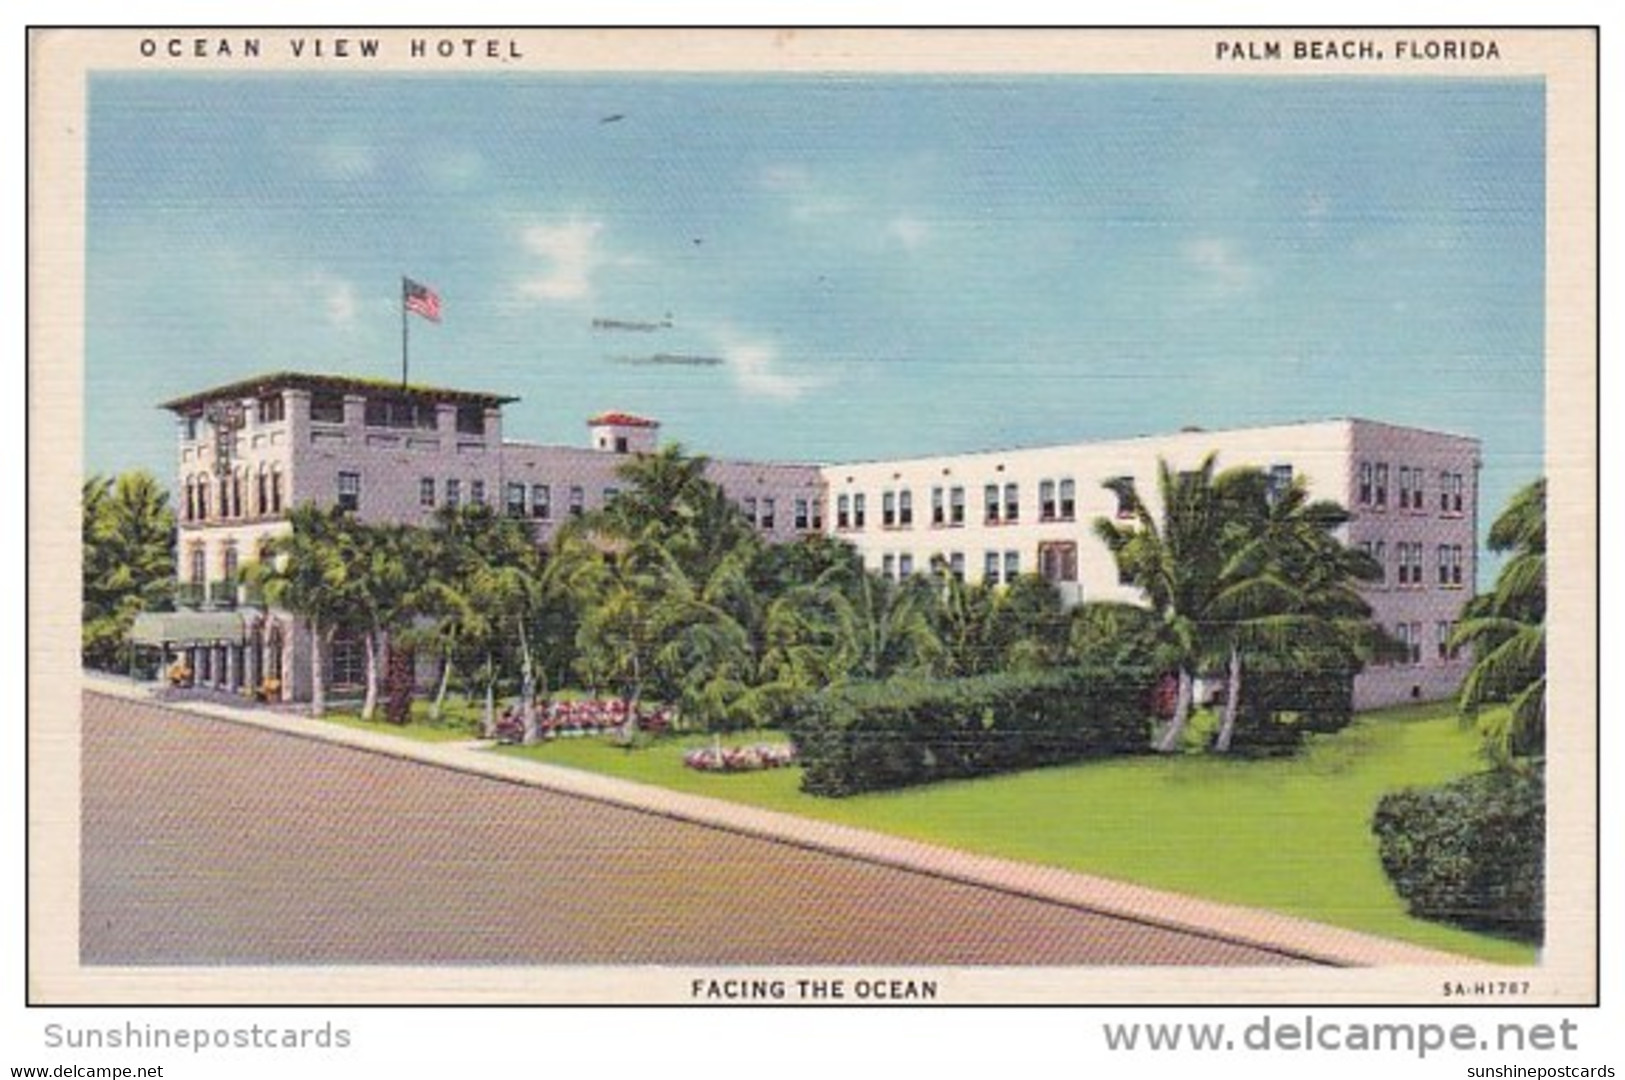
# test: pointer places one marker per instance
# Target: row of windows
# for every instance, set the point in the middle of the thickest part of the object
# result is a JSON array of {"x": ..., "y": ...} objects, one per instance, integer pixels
[
  {"x": 1410, "y": 637},
  {"x": 1057, "y": 501},
  {"x": 763, "y": 513},
  {"x": 1408, "y": 556},
  {"x": 239, "y": 495},
  {"x": 327, "y": 407},
  {"x": 1411, "y": 493},
  {"x": 1057, "y": 562}
]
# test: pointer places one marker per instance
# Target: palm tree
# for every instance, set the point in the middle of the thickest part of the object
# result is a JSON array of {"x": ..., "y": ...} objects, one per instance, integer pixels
[
  {"x": 1506, "y": 629},
  {"x": 1288, "y": 586},
  {"x": 307, "y": 576},
  {"x": 1178, "y": 561},
  {"x": 128, "y": 532}
]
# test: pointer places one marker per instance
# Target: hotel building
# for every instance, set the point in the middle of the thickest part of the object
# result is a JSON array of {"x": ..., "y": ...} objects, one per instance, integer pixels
[{"x": 251, "y": 450}]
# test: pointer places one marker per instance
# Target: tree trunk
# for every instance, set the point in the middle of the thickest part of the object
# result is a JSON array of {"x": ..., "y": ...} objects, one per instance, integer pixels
[
  {"x": 1169, "y": 742},
  {"x": 369, "y": 703},
  {"x": 527, "y": 689},
  {"x": 439, "y": 704},
  {"x": 318, "y": 674},
  {"x": 488, "y": 722},
  {"x": 1232, "y": 703}
]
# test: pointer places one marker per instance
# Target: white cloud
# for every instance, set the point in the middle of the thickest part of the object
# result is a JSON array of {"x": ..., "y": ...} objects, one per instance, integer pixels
[
  {"x": 754, "y": 366},
  {"x": 337, "y": 295},
  {"x": 1221, "y": 272},
  {"x": 344, "y": 160},
  {"x": 572, "y": 252},
  {"x": 909, "y": 231}
]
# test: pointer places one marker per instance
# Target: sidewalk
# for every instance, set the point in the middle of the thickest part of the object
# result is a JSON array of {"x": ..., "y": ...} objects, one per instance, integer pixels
[{"x": 1280, "y": 933}]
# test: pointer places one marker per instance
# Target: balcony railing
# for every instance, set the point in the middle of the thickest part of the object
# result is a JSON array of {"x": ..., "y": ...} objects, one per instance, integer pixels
[
  {"x": 222, "y": 594},
  {"x": 189, "y": 594}
]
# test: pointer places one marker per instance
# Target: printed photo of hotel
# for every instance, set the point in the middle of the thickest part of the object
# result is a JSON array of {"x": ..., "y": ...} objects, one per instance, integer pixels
[{"x": 251, "y": 450}]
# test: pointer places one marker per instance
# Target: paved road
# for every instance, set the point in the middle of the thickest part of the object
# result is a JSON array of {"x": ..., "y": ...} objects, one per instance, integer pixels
[{"x": 205, "y": 842}]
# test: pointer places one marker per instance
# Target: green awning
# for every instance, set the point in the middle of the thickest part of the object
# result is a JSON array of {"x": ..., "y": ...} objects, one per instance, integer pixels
[{"x": 189, "y": 628}]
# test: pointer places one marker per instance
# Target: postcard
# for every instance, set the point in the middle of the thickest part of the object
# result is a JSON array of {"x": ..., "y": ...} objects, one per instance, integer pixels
[{"x": 853, "y": 517}]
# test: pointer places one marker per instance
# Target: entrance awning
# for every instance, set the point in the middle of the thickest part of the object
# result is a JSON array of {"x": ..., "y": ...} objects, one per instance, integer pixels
[{"x": 189, "y": 628}]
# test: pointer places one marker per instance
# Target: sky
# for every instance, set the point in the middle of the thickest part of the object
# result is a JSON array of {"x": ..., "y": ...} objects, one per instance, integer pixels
[{"x": 854, "y": 267}]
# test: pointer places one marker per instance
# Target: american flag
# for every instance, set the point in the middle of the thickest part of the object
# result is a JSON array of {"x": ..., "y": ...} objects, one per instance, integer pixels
[{"x": 421, "y": 299}]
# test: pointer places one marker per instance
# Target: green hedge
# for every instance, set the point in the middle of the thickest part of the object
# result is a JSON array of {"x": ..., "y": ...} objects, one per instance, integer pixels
[
  {"x": 874, "y": 736},
  {"x": 1471, "y": 851}
]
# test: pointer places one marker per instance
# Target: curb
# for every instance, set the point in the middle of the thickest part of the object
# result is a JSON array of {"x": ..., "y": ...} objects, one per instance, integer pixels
[{"x": 1287, "y": 935}]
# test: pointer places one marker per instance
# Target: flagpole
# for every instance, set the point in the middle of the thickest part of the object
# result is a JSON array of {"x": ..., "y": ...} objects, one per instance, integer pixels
[{"x": 403, "y": 333}]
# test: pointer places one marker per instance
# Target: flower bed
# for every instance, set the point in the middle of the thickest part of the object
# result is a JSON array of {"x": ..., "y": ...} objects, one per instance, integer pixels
[
  {"x": 574, "y": 719},
  {"x": 740, "y": 758}
]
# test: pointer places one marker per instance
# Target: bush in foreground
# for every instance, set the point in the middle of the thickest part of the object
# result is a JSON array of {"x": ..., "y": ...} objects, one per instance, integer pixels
[
  {"x": 1471, "y": 852},
  {"x": 875, "y": 736}
]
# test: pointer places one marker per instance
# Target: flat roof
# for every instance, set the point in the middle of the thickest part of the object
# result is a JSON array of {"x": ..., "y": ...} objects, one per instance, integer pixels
[{"x": 343, "y": 384}]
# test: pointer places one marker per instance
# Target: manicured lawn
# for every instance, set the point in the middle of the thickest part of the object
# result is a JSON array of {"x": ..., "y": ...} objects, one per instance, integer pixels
[
  {"x": 457, "y": 724},
  {"x": 1290, "y": 835}
]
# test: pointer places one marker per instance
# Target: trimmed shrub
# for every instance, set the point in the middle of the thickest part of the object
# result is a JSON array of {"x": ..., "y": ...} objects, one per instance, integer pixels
[
  {"x": 1471, "y": 851},
  {"x": 874, "y": 736},
  {"x": 1280, "y": 706}
]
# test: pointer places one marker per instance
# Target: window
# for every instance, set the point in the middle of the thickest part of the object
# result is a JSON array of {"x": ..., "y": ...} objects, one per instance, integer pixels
[
  {"x": 1404, "y": 487},
  {"x": 1418, "y": 495},
  {"x": 399, "y": 413},
  {"x": 1366, "y": 485},
  {"x": 262, "y": 492},
  {"x": 1416, "y": 642},
  {"x": 801, "y": 517},
  {"x": 516, "y": 500},
  {"x": 818, "y": 513},
  {"x": 1280, "y": 481},
  {"x": 199, "y": 564},
  {"x": 471, "y": 420},
  {"x": 349, "y": 491},
  {"x": 1444, "y": 564},
  {"x": 476, "y": 492},
  {"x": 990, "y": 568},
  {"x": 1058, "y": 562},
  {"x": 990, "y": 500},
  {"x": 1402, "y": 631},
  {"x": 1380, "y": 495},
  {"x": 857, "y": 510},
  {"x": 1453, "y": 556},
  {"x": 578, "y": 501},
  {"x": 276, "y": 489},
  {"x": 426, "y": 491},
  {"x": 1046, "y": 500},
  {"x": 905, "y": 508},
  {"x": 541, "y": 501},
  {"x": 905, "y": 565},
  {"x": 1124, "y": 488},
  {"x": 956, "y": 565},
  {"x": 620, "y": 444},
  {"x": 1012, "y": 503},
  {"x": 611, "y": 493},
  {"x": 272, "y": 408},
  {"x": 1450, "y": 493},
  {"x": 888, "y": 510},
  {"x": 843, "y": 512},
  {"x": 1069, "y": 500},
  {"x": 1012, "y": 566},
  {"x": 1379, "y": 552},
  {"x": 939, "y": 508},
  {"x": 228, "y": 562},
  {"x": 327, "y": 407},
  {"x": 888, "y": 566},
  {"x": 454, "y": 493},
  {"x": 956, "y": 506},
  {"x": 770, "y": 512},
  {"x": 1441, "y": 637},
  {"x": 749, "y": 508},
  {"x": 189, "y": 428}
]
